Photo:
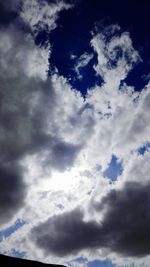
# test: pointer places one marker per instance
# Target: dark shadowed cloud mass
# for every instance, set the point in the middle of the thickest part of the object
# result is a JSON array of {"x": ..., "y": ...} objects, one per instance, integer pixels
[
  {"x": 12, "y": 193},
  {"x": 124, "y": 229}
]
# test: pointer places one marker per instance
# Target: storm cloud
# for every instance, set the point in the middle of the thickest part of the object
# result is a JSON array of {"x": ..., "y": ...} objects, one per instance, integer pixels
[
  {"x": 65, "y": 234},
  {"x": 8, "y": 11},
  {"x": 124, "y": 229},
  {"x": 12, "y": 192}
]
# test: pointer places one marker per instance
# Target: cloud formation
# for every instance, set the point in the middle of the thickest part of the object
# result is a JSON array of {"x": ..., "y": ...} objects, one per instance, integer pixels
[
  {"x": 124, "y": 228},
  {"x": 41, "y": 15},
  {"x": 12, "y": 193},
  {"x": 26, "y": 101},
  {"x": 115, "y": 53},
  {"x": 81, "y": 63},
  {"x": 56, "y": 145}
]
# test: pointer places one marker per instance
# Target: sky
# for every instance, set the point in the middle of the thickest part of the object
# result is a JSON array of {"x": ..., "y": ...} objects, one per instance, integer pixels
[{"x": 75, "y": 132}]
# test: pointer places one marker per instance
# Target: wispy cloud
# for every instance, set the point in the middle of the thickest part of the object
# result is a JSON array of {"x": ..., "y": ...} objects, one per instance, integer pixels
[{"x": 81, "y": 63}]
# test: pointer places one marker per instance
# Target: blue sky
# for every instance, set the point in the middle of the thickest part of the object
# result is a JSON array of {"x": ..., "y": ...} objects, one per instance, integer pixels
[
  {"x": 143, "y": 149},
  {"x": 75, "y": 132},
  {"x": 8, "y": 231},
  {"x": 95, "y": 263},
  {"x": 114, "y": 169},
  {"x": 87, "y": 15}
]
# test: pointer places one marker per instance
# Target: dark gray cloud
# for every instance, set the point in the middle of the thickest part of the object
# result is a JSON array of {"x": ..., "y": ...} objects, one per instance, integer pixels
[
  {"x": 8, "y": 11},
  {"x": 10, "y": 4},
  {"x": 12, "y": 192},
  {"x": 126, "y": 224},
  {"x": 65, "y": 234},
  {"x": 27, "y": 106},
  {"x": 125, "y": 228},
  {"x": 63, "y": 155},
  {"x": 23, "y": 126},
  {"x": 21, "y": 132},
  {"x": 27, "y": 109},
  {"x": 18, "y": 133}
]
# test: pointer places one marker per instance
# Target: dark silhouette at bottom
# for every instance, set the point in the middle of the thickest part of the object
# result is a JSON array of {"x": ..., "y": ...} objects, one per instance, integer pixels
[{"x": 15, "y": 262}]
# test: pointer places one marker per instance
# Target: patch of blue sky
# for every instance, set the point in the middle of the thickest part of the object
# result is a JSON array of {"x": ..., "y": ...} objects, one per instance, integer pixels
[
  {"x": 135, "y": 77},
  {"x": 144, "y": 148},
  {"x": 95, "y": 263},
  {"x": 8, "y": 231},
  {"x": 114, "y": 169},
  {"x": 101, "y": 263}
]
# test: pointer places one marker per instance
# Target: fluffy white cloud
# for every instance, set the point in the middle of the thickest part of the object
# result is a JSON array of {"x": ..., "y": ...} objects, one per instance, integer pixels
[
  {"x": 115, "y": 53},
  {"x": 26, "y": 58},
  {"x": 40, "y": 15}
]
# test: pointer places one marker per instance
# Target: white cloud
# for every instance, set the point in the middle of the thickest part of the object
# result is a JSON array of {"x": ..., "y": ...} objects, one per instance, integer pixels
[
  {"x": 25, "y": 57},
  {"x": 81, "y": 63},
  {"x": 78, "y": 263},
  {"x": 116, "y": 55},
  {"x": 40, "y": 15}
]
